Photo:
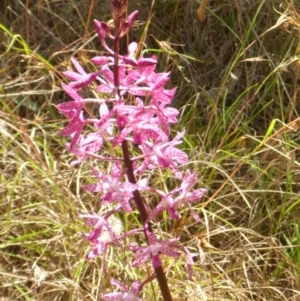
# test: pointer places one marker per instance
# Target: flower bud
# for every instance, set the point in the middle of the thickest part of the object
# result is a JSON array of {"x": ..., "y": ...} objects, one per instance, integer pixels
[{"x": 118, "y": 8}]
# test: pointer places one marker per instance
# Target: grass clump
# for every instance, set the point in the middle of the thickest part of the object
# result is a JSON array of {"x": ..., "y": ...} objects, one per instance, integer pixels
[{"x": 238, "y": 78}]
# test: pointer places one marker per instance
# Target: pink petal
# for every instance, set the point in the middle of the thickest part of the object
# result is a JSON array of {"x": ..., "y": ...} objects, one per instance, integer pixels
[
  {"x": 102, "y": 29},
  {"x": 71, "y": 92},
  {"x": 78, "y": 66},
  {"x": 71, "y": 75},
  {"x": 101, "y": 60}
]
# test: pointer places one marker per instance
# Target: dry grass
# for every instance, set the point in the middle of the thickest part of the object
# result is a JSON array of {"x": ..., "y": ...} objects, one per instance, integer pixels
[{"x": 238, "y": 79}]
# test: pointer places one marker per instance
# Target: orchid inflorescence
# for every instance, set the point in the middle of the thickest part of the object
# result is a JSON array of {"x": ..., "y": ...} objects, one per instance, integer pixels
[{"x": 143, "y": 124}]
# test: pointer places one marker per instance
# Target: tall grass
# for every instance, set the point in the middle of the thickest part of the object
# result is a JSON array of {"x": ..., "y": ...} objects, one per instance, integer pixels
[{"x": 238, "y": 79}]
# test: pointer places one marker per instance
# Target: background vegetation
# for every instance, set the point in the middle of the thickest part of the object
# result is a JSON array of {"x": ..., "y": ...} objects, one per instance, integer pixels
[{"x": 238, "y": 93}]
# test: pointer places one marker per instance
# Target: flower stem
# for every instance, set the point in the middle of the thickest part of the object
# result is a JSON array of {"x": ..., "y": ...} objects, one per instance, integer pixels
[{"x": 159, "y": 272}]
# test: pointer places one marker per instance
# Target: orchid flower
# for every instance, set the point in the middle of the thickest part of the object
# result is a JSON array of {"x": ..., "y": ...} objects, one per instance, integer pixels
[{"x": 125, "y": 295}]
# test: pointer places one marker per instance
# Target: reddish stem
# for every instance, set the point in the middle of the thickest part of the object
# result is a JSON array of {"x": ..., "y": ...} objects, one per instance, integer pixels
[{"x": 159, "y": 272}]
